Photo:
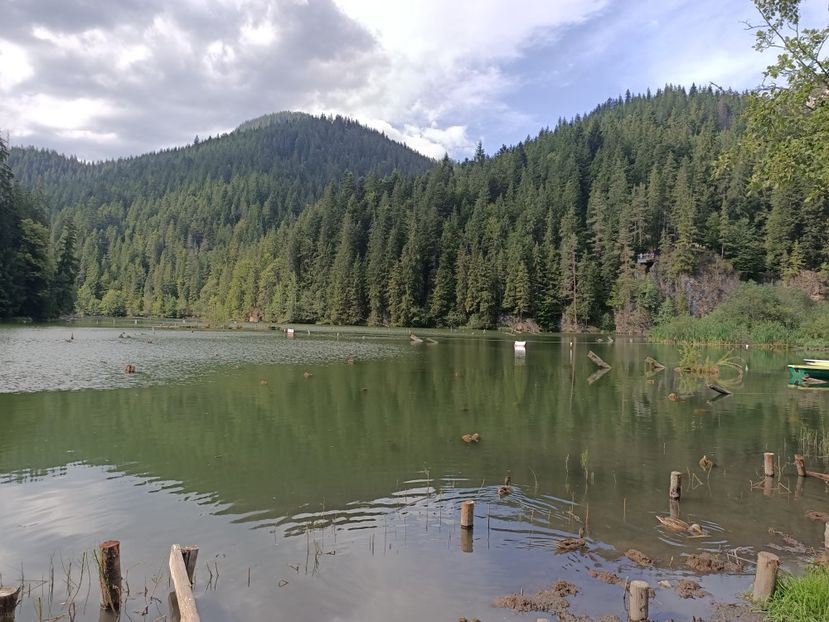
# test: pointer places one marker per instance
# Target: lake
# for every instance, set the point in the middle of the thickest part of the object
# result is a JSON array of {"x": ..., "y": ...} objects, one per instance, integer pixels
[{"x": 322, "y": 476}]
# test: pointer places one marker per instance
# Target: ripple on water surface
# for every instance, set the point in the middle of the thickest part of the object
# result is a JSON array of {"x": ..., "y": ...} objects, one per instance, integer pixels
[{"x": 62, "y": 358}]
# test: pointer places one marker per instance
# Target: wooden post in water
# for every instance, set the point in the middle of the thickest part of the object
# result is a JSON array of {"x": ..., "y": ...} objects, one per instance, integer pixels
[
  {"x": 638, "y": 603},
  {"x": 800, "y": 463},
  {"x": 109, "y": 573},
  {"x": 181, "y": 583},
  {"x": 468, "y": 514},
  {"x": 676, "y": 485},
  {"x": 768, "y": 464},
  {"x": 673, "y": 508},
  {"x": 826, "y": 536},
  {"x": 766, "y": 578},
  {"x": 190, "y": 554},
  {"x": 8, "y": 603}
]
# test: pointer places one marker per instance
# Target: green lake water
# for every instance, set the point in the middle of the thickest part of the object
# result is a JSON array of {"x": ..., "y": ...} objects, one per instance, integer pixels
[{"x": 322, "y": 476}]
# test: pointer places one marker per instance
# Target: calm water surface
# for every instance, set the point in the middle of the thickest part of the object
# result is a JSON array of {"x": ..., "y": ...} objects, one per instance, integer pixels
[{"x": 335, "y": 496}]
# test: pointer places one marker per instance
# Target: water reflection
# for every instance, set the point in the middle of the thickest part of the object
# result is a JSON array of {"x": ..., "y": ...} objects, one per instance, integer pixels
[{"x": 347, "y": 484}]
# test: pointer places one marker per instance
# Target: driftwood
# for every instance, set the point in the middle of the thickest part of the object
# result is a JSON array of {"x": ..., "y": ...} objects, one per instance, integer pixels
[
  {"x": 800, "y": 463},
  {"x": 415, "y": 339},
  {"x": 597, "y": 360},
  {"x": 183, "y": 589},
  {"x": 719, "y": 389},
  {"x": 657, "y": 366}
]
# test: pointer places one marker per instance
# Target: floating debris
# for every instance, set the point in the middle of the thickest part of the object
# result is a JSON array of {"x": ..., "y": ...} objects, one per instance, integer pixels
[
  {"x": 570, "y": 544},
  {"x": 687, "y": 588},
  {"x": 605, "y": 576},
  {"x": 706, "y": 464},
  {"x": 471, "y": 438},
  {"x": 551, "y": 599},
  {"x": 639, "y": 557},
  {"x": 707, "y": 563}
]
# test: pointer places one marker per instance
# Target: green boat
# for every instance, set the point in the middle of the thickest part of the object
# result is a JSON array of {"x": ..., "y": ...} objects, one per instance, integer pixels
[{"x": 809, "y": 374}]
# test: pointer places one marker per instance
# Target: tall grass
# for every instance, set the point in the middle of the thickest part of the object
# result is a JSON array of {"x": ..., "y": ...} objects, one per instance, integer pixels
[
  {"x": 805, "y": 599},
  {"x": 757, "y": 314}
]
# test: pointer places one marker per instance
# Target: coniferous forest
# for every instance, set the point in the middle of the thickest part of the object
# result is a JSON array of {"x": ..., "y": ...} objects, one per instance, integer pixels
[{"x": 606, "y": 220}]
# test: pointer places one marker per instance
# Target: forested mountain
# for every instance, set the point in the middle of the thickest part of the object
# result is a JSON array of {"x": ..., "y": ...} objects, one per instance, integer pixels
[
  {"x": 37, "y": 275},
  {"x": 548, "y": 229}
]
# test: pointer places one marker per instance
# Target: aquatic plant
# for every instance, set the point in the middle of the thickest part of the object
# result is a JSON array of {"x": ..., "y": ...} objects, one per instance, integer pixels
[{"x": 804, "y": 598}]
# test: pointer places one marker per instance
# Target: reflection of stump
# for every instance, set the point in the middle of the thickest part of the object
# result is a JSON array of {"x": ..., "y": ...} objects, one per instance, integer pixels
[
  {"x": 466, "y": 540},
  {"x": 768, "y": 486}
]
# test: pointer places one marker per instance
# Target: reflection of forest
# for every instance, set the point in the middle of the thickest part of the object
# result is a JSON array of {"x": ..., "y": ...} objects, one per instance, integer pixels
[{"x": 359, "y": 432}]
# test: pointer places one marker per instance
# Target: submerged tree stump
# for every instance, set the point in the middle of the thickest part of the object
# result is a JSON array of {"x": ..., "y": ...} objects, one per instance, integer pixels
[
  {"x": 597, "y": 360},
  {"x": 109, "y": 572},
  {"x": 768, "y": 464},
  {"x": 8, "y": 602},
  {"x": 468, "y": 514},
  {"x": 676, "y": 485}
]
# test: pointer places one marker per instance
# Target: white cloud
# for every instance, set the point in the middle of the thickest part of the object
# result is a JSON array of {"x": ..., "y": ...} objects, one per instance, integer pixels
[{"x": 14, "y": 65}]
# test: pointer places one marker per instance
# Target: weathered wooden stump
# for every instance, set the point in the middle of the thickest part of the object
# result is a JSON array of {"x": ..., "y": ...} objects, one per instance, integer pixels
[
  {"x": 768, "y": 464},
  {"x": 190, "y": 554},
  {"x": 8, "y": 602},
  {"x": 765, "y": 579},
  {"x": 800, "y": 464},
  {"x": 468, "y": 514},
  {"x": 638, "y": 603},
  {"x": 109, "y": 573},
  {"x": 676, "y": 485}
]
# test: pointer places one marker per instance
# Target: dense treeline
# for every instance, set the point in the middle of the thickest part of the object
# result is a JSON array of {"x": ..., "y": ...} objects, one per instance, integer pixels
[
  {"x": 37, "y": 276},
  {"x": 549, "y": 229}
]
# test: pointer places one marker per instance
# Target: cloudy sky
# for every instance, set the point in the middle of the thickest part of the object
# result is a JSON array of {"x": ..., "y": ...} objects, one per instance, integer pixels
[{"x": 102, "y": 79}]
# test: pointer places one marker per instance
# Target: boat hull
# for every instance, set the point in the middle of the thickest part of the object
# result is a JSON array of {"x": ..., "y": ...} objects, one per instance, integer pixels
[{"x": 808, "y": 375}]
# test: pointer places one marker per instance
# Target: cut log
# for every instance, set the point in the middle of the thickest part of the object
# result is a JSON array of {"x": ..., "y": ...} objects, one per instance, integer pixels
[
  {"x": 109, "y": 573},
  {"x": 181, "y": 583},
  {"x": 8, "y": 602},
  {"x": 597, "y": 360}
]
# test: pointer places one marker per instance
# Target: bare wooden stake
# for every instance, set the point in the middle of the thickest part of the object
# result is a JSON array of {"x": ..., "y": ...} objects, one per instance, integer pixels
[
  {"x": 8, "y": 602},
  {"x": 181, "y": 583},
  {"x": 768, "y": 464},
  {"x": 638, "y": 603},
  {"x": 468, "y": 514},
  {"x": 766, "y": 578},
  {"x": 800, "y": 463},
  {"x": 676, "y": 485},
  {"x": 826, "y": 536},
  {"x": 109, "y": 572}
]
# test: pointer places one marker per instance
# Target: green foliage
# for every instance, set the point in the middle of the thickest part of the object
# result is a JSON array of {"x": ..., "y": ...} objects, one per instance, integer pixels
[
  {"x": 788, "y": 119},
  {"x": 804, "y": 598},
  {"x": 758, "y": 314},
  {"x": 296, "y": 218}
]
